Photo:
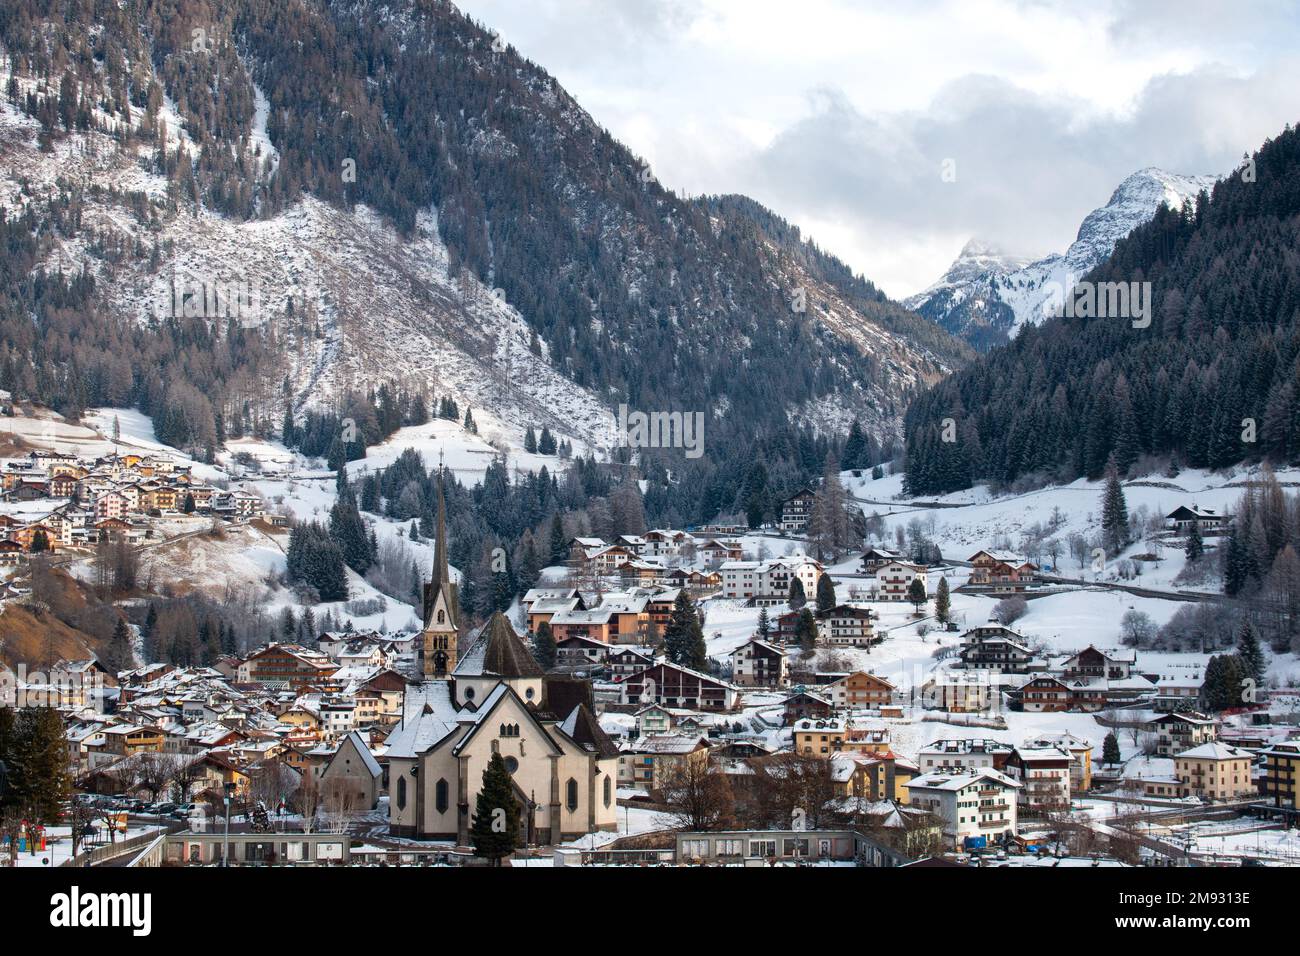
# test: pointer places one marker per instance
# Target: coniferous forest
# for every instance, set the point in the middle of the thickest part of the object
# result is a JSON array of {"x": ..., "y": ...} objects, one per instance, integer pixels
[{"x": 1213, "y": 381}]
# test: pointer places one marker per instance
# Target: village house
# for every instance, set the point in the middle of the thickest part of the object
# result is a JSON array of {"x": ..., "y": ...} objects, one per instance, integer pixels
[
  {"x": 1044, "y": 776},
  {"x": 997, "y": 648},
  {"x": 1215, "y": 771},
  {"x": 1182, "y": 518},
  {"x": 876, "y": 558},
  {"x": 894, "y": 579},
  {"x": 1178, "y": 732},
  {"x": 805, "y": 703},
  {"x": 675, "y": 686},
  {"x": 960, "y": 693},
  {"x": 1080, "y": 752},
  {"x": 646, "y": 763},
  {"x": 288, "y": 665},
  {"x": 796, "y": 510},
  {"x": 759, "y": 664},
  {"x": 978, "y": 807},
  {"x": 768, "y": 582},
  {"x": 846, "y": 626},
  {"x": 1001, "y": 572},
  {"x": 1281, "y": 781},
  {"x": 860, "y": 691},
  {"x": 961, "y": 754}
]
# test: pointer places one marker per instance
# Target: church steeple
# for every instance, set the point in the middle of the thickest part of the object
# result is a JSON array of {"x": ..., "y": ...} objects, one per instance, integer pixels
[{"x": 441, "y": 606}]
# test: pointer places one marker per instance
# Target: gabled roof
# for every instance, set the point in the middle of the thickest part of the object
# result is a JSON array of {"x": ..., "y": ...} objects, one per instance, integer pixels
[
  {"x": 498, "y": 652},
  {"x": 584, "y": 730}
]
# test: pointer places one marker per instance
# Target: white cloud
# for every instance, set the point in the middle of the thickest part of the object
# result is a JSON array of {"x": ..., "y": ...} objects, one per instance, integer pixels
[{"x": 837, "y": 114}]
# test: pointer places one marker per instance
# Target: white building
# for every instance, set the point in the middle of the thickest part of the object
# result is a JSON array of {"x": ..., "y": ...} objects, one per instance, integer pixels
[{"x": 978, "y": 807}]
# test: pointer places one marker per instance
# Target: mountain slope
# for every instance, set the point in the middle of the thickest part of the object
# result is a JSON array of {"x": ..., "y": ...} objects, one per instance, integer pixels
[
  {"x": 1213, "y": 380},
  {"x": 414, "y": 203},
  {"x": 987, "y": 297}
]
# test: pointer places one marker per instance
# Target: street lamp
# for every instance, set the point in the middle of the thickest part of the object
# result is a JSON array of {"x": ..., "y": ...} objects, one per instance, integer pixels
[{"x": 225, "y": 851}]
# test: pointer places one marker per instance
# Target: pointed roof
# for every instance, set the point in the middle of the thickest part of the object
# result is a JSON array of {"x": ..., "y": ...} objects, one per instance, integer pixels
[
  {"x": 498, "y": 652},
  {"x": 440, "y": 579},
  {"x": 583, "y": 729}
]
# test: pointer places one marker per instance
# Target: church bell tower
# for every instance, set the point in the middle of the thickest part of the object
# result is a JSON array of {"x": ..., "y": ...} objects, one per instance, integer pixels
[{"x": 441, "y": 607}]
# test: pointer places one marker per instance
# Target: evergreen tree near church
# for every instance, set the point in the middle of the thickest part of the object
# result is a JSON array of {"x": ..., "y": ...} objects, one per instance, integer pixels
[
  {"x": 806, "y": 631},
  {"x": 1114, "y": 512},
  {"x": 797, "y": 597},
  {"x": 495, "y": 829},
  {"x": 347, "y": 528},
  {"x": 544, "y": 646}
]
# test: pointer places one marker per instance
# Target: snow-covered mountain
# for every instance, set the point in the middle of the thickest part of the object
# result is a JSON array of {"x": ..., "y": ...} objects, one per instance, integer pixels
[{"x": 986, "y": 296}]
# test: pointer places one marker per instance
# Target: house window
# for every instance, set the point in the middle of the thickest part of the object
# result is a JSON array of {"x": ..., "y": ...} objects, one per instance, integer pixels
[
  {"x": 440, "y": 796},
  {"x": 571, "y": 795},
  {"x": 401, "y": 793}
]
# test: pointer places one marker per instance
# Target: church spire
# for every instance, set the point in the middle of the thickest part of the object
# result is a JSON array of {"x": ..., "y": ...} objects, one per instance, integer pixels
[{"x": 441, "y": 605}]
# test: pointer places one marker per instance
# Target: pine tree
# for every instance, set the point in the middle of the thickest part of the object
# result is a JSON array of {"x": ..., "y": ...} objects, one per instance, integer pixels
[
  {"x": 797, "y": 597},
  {"x": 349, "y": 530},
  {"x": 118, "y": 656},
  {"x": 546, "y": 443},
  {"x": 1110, "y": 749},
  {"x": 38, "y": 774},
  {"x": 1251, "y": 654},
  {"x": 684, "y": 636},
  {"x": 544, "y": 646},
  {"x": 764, "y": 625},
  {"x": 825, "y": 593},
  {"x": 1195, "y": 545},
  {"x": 806, "y": 631},
  {"x": 1114, "y": 511},
  {"x": 559, "y": 545},
  {"x": 916, "y": 594},
  {"x": 530, "y": 441},
  {"x": 942, "y": 602},
  {"x": 495, "y": 829}
]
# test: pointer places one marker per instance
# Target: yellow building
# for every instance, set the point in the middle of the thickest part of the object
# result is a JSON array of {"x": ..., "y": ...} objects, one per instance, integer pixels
[
  {"x": 1215, "y": 771},
  {"x": 1282, "y": 774}
]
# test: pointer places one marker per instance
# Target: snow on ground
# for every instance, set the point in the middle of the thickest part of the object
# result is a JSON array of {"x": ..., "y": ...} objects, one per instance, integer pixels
[{"x": 58, "y": 845}]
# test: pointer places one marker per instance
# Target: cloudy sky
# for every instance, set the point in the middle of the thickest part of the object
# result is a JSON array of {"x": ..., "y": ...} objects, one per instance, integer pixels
[{"x": 840, "y": 114}]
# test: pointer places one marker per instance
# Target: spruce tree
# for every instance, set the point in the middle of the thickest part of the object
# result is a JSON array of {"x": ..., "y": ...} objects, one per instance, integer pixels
[
  {"x": 544, "y": 646},
  {"x": 1195, "y": 545},
  {"x": 825, "y": 593},
  {"x": 38, "y": 774},
  {"x": 559, "y": 545},
  {"x": 942, "y": 602},
  {"x": 797, "y": 597},
  {"x": 1110, "y": 749},
  {"x": 118, "y": 656},
  {"x": 916, "y": 594},
  {"x": 806, "y": 631},
  {"x": 1252, "y": 655},
  {"x": 764, "y": 629},
  {"x": 1114, "y": 511},
  {"x": 495, "y": 829},
  {"x": 684, "y": 636},
  {"x": 530, "y": 441}
]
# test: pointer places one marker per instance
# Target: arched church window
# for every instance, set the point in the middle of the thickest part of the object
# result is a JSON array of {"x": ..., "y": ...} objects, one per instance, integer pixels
[
  {"x": 529, "y": 693},
  {"x": 571, "y": 794},
  {"x": 440, "y": 796},
  {"x": 608, "y": 790},
  {"x": 442, "y": 617},
  {"x": 401, "y": 793}
]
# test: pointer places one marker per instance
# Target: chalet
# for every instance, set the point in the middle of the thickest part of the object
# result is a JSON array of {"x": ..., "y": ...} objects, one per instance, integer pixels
[
  {"x": 653, "y": 720},
  {"x": 675, "y": 686},
  {"x": 1001, "y": 572},
  {"x": 548, "y": 594},
  {"x": 805, "y": 703},
  {"x": 1044, "y": 775},
  {"x": 768, "y": 582},
  {"x": 1091, "y": 662},
  {"x": 542, "y": 610},
  {"x": 287, "y": 665},
  {"x": 894, "y": 579},
  {"x": 860, "y": 690},
  {"x": 846, "y": 626},
  {"x": 997, "y": 648},
  {"x": 1184, "y": 730},
  {"x": 626, "y": 661},
  {"x": 581, "y": 549},
  {"x": 643, "y": 572},
  {"x": 1046, "y": 694},
  {"x": 960, "y": 692},
  {"x": 648, "y": 763},
  {"x": 665, "y": 543},
  {"x": 609, "y": 560},
  {"x": 1182, "y": 518},
  {"x": 1080, "y": 752},
  {"x": 714, "y": 551},
  {"x": 759, "y": 664},
  {"x": 796, "y": 510},
  {"x": 581, "y": 651},
  {"x": 876, "y": 558}
]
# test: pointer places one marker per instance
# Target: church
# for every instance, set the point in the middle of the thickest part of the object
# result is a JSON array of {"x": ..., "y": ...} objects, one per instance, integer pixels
[{"x": 494, "y": 698}]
